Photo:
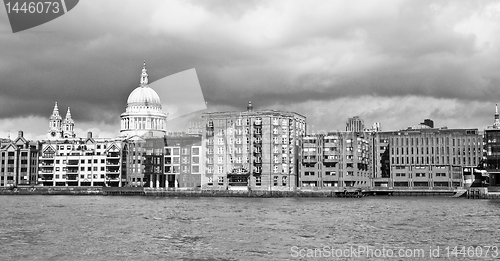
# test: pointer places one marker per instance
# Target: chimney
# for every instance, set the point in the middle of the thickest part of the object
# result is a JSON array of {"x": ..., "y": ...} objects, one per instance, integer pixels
[
  {"x": 20, "y": 134},
  {"x": 89, "y": 135}
]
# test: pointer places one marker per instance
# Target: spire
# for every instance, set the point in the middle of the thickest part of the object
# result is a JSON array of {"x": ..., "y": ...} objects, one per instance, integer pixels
[
  {"x": 496, "y": 125},
  {"x": 144, "y": 75},
  {"x": 68, "y": 114},
  {"x": 55, "y": 113},
  {"x": 250, "y": 106}
]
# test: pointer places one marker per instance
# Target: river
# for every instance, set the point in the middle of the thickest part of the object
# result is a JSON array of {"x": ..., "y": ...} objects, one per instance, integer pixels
[{"x": 148, "y": 228}]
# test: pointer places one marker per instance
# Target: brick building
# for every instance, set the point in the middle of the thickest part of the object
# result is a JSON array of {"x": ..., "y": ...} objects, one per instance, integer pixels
[
  {"x": 19, "y": 160},
  {"x": 258, "y": 150},
  {"x": 425, "y": 157},
  {"x": 336, "y": 159}
]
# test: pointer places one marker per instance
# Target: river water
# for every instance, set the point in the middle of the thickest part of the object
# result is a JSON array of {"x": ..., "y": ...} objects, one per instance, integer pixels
[{"x": 147, "y": 228}]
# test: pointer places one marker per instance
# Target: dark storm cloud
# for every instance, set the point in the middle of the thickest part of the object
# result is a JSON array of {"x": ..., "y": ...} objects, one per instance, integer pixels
[{"x": 273, "y": 53}]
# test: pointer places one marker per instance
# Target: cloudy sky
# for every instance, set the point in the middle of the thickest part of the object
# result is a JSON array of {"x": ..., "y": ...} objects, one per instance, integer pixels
[{"x": 393, "y": 62}]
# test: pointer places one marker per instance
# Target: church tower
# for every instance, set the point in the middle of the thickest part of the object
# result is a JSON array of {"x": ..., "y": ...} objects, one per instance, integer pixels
[
  {"x": 68, "y": 126},
  {"x": 55, "y": 131}
]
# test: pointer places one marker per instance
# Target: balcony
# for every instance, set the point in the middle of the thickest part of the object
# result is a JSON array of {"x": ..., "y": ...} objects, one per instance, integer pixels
[
  {"x": 45, "y": 178},
  {"x": 44, "y": 164},
  {"x": 72, "y": 177},
  {"x": 113, "y": 163},
  {"x": 309, "y": 159},
  {"x": 72, "y": 163},
  {"x": 112, "y": 171},
  {"x": 113, "y": 155}
]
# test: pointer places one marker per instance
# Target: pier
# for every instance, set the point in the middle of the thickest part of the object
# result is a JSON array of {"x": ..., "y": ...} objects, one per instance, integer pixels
[{"x": 483, "y": 193}]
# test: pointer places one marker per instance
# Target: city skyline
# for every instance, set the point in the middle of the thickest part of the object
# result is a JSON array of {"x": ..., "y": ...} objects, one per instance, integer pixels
[{"x": 395, "y": 62}]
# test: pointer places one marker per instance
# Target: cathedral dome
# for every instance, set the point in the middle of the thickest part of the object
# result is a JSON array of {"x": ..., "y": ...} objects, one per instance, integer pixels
[
  {"x": 143, "y": 115},
  {"x": 144, "y": 95}
]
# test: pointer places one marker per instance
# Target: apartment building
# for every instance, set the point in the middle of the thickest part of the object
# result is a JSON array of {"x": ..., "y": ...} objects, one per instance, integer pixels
[
  {"x": 19, "y": 160},
  {"x": 183, "y": 160},
  {"x": 336, "y": 159},
  {"x": 80, "y": 162},
  {"x": 257, "y": 150}
]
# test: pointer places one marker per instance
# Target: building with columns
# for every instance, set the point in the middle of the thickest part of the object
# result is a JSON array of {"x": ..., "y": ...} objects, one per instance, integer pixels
[{"x": 143, "y": 114}]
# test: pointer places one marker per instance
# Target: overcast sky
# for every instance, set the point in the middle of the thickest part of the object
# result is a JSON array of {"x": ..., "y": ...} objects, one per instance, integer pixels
[{"x": 393, "y": 62}]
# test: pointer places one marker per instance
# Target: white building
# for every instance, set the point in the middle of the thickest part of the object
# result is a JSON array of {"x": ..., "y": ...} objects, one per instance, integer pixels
[
  {"x": 144, "y": 113},
  {"x": 59, "y": 128}
]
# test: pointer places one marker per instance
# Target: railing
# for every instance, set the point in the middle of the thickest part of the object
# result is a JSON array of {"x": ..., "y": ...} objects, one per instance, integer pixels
[{"x": 112, "y": 163}]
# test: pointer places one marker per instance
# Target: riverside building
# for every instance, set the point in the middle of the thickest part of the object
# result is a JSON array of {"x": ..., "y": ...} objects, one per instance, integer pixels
[
  {"x": 492, "y": 149},
  {"x": 425, "y": 158},
  {"x": 81, "y": 162},
  {"x": 336, "y": 159},
  {"x": 183, "y": 160},
  {"x": 257, "y": 150},
  {"x": 19, "y": 160}
]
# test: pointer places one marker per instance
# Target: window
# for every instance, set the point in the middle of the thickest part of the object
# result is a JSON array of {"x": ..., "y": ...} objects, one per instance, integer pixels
[
  {"x": 220, "y": 169},
  {"x": 283, "y": 181},
  {"x": 196, "y": 169},
  {"x": 330, "y": 173},
  {"x": 421, "y": 175},
  {"x": 196, "y": 151},
  {"x": 176, "y": 151},
  {"x": 275, "y": 180},
  {"x": 220, "y": 160},
  {"x": 258, "y": 181},
  {"x": 210, "y": 181},
  {"x": 196, "y": 160},
  {"x": 220, "y": 181}
]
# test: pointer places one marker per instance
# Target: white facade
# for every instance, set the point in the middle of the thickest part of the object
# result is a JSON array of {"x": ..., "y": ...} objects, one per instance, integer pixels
[
  {"x": 144, "y": 113},
  {"x": 59, "y": 128}
]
